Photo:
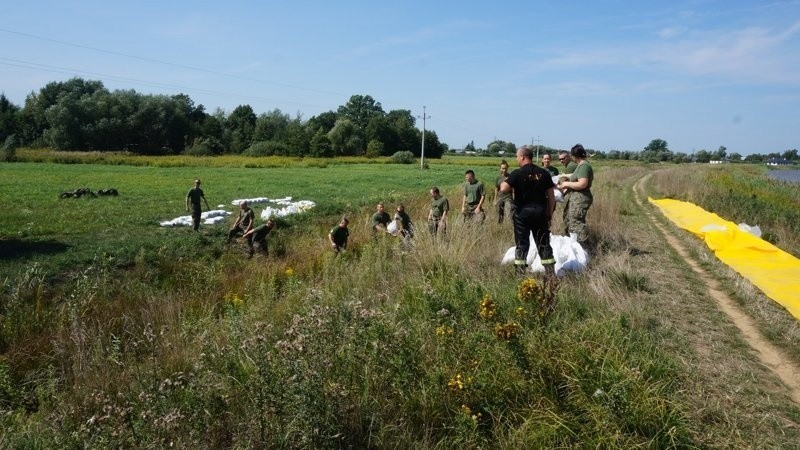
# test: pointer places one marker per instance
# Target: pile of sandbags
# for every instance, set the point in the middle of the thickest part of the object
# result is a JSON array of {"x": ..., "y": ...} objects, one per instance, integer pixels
[
  {"x": 208, "y": 218},
  {"x": 568, "y": 253}
]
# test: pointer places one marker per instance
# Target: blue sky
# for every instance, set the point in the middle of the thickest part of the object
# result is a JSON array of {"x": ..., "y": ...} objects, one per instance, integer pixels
[{"x": 609, "y": 74}]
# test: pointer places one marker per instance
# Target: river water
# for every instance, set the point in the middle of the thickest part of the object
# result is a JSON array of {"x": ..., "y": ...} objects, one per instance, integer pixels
[{"x": 785, "y": 175}]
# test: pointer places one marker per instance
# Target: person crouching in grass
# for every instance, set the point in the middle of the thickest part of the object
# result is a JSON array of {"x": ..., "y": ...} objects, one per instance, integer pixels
[
  {"x": 338, "y": 235},
  {"x": 258, "y": 236}
]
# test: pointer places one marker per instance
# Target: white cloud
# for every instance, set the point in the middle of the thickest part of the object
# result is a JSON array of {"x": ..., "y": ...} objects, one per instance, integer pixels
[{"x": 671, "y": 32}]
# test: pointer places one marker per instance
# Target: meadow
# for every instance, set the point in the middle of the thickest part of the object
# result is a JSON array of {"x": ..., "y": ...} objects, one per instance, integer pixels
[{"x": 118, "y": 333}]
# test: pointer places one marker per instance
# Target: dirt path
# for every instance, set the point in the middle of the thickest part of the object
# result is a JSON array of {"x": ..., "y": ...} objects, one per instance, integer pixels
[{"x": 769, "y": 355}]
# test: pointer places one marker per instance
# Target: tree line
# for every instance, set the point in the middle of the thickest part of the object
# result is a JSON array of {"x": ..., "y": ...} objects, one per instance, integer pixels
[
  {"x": 82, "y": 114},
  {"x": 656, "y": 151}
]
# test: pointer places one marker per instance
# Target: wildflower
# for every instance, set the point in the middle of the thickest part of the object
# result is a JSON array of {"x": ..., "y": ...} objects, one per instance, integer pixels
[
  {"x": 234, "y": 299},
  {"x": 444, "y": 330},
  {"x": 530, "y": 291},
  {"x": 458, "y": 383},
  {"x": 488, "y": 308},
  {"x": 289, "y": 272},
  {"x": 507, "y": 331},
  {"x": 521, "y": 311}
]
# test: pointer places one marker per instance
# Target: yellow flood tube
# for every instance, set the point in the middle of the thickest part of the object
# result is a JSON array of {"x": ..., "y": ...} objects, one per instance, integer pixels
[{"x": 771, "y": 269}]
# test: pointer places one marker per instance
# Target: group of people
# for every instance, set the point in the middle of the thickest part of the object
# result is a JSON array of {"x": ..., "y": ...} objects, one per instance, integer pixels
[
  {"x": 255, "y": 236},
  {"x": 527, "y": 193},
  {"x": 534, "y": 203}
]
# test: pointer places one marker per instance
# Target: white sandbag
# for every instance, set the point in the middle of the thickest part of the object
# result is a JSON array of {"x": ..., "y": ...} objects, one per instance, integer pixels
[
  {"x": 755, "y": 230},
  {"x": 569, "y": 255},
  {"x": 208, "y": 217},
  {"x": 558, "y": 194},
  {"x": 392, "y": 228}
]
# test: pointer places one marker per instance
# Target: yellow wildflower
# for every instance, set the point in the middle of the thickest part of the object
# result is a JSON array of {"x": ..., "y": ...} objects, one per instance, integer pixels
[
  {"x": 488, "y": 308},
  {"x": 530, "y": 291}
]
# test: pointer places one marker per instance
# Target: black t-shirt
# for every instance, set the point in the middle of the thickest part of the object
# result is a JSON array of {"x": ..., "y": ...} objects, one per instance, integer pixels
[{"x": 531, "y": 184}]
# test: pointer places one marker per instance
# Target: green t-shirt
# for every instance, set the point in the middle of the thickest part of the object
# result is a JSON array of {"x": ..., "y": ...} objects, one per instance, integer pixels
[
  {"x": 246, "y": 217},
  {"x": 474, "y": 192},
  {"x": 552, "y": 169},
  {"x": 340, "y": 235},
  {"x": 195, "y": 195},
  {"x": 439, "y": 206},
  {"x": 583, "y": 170},
  {"x": 260, "y": 232},
  {"x": 500, "y": 194},
  {"x": 380, "y": 218},
  {"x": 571, "y": 166}
]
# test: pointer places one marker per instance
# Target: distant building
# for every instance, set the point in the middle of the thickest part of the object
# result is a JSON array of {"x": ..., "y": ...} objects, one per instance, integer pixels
[
  {"x": 717, "y": 161},
  {"x": 779, "y": 162}
]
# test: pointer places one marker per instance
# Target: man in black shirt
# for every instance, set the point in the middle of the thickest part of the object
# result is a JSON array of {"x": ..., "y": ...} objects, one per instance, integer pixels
[{"x": 534, "y": 201}]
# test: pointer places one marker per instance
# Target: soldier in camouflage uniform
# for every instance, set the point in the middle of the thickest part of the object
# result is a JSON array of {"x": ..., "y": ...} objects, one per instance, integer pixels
[{"x": 580, "y": 195}]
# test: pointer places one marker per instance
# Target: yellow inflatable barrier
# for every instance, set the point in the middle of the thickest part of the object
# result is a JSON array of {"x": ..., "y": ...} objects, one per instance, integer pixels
[{"x": 771, "y": 269}]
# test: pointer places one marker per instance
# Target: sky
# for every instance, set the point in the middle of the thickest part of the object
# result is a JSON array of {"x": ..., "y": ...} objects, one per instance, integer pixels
[{"x": 612, "y": 75}]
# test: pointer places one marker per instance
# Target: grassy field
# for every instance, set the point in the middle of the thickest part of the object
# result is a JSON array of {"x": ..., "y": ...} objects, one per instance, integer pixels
[{"x": 118, "y": 333}]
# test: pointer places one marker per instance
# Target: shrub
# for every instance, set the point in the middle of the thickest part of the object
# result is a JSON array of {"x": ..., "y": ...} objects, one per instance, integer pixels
[
  {"x": 374, "y": 149},
  {"x": 8, "y": 152},
  {"x": 267, "y": 148},
  {"x": 204, "y": 147},
  {"x": 403, "y": 157}
]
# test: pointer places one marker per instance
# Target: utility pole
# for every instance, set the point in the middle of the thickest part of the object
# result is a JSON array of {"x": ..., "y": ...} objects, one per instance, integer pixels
[
  {"x": 422, "y": 152},
  {"x": 538, "y": 141}
]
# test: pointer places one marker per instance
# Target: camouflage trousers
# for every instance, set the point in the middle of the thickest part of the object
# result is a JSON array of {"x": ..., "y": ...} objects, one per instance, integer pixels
[
  {"x": 575, "y": 209},
  {"x": 471, "y": 212},
  {"x": 501, "y": 208}
]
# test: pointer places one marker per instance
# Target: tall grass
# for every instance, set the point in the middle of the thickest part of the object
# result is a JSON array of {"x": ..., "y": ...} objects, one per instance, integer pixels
[
  {"x": 742, "y": 194},
  {"x": 385, "y": 345}
]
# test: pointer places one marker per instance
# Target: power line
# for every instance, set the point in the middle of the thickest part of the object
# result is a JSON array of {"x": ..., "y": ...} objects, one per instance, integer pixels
[
  {"x": 167, "y": 63},
  {"x": 71, "y": 71}
]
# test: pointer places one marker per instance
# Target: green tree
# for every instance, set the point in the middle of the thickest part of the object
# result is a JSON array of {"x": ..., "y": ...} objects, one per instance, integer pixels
[
  {"x": 8, "y": 118},
  {"x": 791, "y": 155},
  {"x": 271, "y": 126},
  {"x": 241, "y": 125},
  {"x": 360, "y": 109},
  {"x": 296, "y": 137},
  {"x": 320, "y": 145},
  {"x": 344, "y": 138},
  {"x": 433, "y": 147},
  {"x": 702, "y": 156},
  {"x": 656, "y": 151},
  {"x": 324, "y": 121},
  {"x": 657, "y": 146},
  {"x": 754, "y": 158}
]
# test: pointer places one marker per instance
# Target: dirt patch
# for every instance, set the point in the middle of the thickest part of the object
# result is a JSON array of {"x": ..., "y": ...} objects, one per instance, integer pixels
[{"x": 769, "y": 355}]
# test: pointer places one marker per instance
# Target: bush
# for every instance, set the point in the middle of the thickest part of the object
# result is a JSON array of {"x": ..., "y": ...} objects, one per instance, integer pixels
[
  {"x": 267, "y": 148},
  {"x": 204, "y": 147},
  {"x": 374, "y": 149},
  {"x": 9, "y": 150},
  {"x": 403, "y": 157}
]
